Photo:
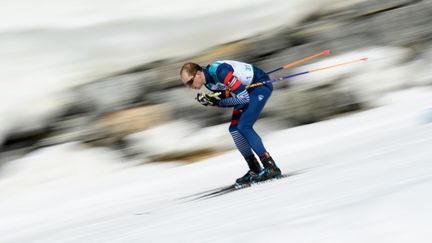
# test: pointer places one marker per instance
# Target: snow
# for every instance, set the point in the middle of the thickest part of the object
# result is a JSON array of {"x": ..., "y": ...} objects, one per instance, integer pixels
[
  {"x": 152, "y": 144},
  {"x": 361, "y": 178}
]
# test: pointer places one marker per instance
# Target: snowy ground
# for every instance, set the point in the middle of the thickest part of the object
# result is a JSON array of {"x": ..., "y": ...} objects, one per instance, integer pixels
[{"x": 364, "y": 178}]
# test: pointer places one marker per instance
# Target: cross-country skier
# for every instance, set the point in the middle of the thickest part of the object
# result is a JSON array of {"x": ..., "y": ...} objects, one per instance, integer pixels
[{"x": 228, "y": 81}]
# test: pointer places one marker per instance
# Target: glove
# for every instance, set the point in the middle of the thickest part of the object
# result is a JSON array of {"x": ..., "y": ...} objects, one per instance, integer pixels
[{"x": 210, "y": 99}]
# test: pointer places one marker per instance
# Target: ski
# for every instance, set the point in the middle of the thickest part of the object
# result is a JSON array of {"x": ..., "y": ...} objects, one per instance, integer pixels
[
  {"x": 232, "y": 188},
  {"x": 214, "y": 190}
]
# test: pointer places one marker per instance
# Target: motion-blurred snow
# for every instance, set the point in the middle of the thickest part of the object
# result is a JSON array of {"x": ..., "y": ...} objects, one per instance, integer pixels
[{"x": 364, "y": 178}]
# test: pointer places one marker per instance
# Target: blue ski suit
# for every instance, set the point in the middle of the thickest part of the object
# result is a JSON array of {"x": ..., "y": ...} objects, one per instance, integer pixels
[{"x": 231, "y": 78}]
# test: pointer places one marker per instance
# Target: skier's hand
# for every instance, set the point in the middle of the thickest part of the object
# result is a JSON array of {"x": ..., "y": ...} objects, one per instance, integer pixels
[{"x": 210, "y": 99}]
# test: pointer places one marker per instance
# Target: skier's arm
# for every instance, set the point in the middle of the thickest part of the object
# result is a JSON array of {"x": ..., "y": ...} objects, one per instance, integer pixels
[{"x": 225, "y": 74}]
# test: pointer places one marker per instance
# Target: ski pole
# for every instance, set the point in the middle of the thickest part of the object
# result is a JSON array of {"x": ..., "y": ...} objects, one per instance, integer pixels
[
  {"x": 305, "y": 72},
  {"x": 292, "y": 64}
]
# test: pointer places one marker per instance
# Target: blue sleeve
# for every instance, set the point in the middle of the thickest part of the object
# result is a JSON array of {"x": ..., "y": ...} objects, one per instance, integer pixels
[{"x": 225, "y": 75}]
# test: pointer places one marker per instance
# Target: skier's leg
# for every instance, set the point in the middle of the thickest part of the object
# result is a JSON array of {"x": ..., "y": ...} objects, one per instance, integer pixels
[
  {"x": 239, "y": 140},
  {"x": 258, "y": 99},
  {"x": 244, "y": 148}
]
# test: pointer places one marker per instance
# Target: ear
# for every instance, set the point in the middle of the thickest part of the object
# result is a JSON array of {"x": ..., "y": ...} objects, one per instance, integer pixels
[{"x": 203, "y": 76}]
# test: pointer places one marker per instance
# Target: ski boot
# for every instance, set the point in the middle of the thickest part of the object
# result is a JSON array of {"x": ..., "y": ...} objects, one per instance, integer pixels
[
  {"x": 270, "y": 170},
  {"x": 252, "y": 175}
]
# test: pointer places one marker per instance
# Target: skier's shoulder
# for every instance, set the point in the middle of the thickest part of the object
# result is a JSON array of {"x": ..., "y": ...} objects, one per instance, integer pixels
[
  {"x": 221, "y": 69},
  {"x": 220, "y": 66}
]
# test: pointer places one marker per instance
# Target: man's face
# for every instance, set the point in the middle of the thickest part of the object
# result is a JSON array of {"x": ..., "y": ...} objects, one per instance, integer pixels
[{"x": 193, "y": 81}]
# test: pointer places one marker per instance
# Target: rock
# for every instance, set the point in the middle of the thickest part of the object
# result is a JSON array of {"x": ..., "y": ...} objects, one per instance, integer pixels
[
  {"x": 361, "y": 9},
  {"x": 106, "y": 130},
  {"x": 72, "y": 129},
  {"x": 168, "y": 76},
  {"x": 404, "y": 25},
  {"x": 179, "y": 140},
  {"x": 287, "y": 56},
  {"x": 115, "y": 93},
  {"x": 31, "y": 121},
  {"x": 184, "y": 106},
  {"x": 302, "y": 106},
  {"x": 370, "y": 23},
  {"x": 113, "y": 127},
  {"x": 135, "y": 119},
  {"x": 267, "y": 44},
  {"x": 238, "y": 50}
]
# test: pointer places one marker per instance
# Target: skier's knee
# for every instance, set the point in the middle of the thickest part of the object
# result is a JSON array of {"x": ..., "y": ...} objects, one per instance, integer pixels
[
  {"x": 243, "y": 128},
  {"x": 232, "y": 128}
]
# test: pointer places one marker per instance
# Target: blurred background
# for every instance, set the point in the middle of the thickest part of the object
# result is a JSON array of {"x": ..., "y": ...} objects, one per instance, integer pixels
[
  {"x": 101, "y": 142},
  {"x": 103, "y": 76}
]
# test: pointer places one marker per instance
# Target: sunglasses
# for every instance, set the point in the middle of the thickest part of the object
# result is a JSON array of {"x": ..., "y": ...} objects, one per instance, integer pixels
[{"x": 190, "y": 82}]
